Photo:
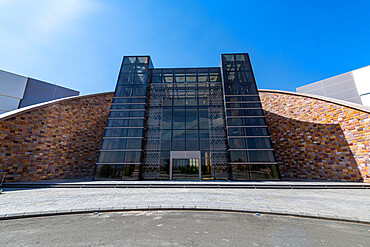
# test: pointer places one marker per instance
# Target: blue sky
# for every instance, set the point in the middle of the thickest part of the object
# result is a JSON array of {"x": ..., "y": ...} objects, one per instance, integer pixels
[{"x": 80, "y": 43}]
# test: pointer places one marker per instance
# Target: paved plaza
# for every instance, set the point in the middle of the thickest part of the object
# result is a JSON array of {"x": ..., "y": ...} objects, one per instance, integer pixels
[{"x": 351, "y": 204}]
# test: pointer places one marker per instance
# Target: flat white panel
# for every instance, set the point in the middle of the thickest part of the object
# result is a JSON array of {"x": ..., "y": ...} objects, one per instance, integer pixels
[
  {"x": 337, "y": 79},
  {"x": 8, "y": 103},
  {"x": 309, "y": 87},
  {"x": 366, "y": 99},
  {"x": 356, "y": 100},
  {"x": 344, "y": 95},
  {"x": 342, "y": 86},
  {"x": 362, "y": 79},
  {"x": 318, "y": 91},
  {"x": 12, "y": 84}
]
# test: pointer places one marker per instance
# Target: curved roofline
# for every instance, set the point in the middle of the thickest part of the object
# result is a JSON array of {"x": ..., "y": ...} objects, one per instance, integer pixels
[
  {"x": 327, "y": 99},
  {"x": 17, "y": 112},
  {"x": 22, "y": 110}
]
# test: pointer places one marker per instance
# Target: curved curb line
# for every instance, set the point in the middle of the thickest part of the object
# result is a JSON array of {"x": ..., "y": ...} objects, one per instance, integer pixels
[{"x": 177, "y": 208}]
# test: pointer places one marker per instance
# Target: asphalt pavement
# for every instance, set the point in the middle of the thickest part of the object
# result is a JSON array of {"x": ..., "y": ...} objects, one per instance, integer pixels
[{"x": 180, "y": 228}]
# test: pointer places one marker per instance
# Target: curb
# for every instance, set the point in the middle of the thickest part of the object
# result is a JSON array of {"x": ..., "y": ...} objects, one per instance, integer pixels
[
  {"x": 177, "y": 208},
  {"x": 189, "y": 185}
]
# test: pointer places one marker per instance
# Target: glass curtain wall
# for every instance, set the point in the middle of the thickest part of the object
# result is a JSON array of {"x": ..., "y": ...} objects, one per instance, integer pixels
[
  {"x": 216, "y": 111},
  {"x": 186, "y": 113},
  {"x": 121, "y": 150},
  {"x": 251, "y": 156}
]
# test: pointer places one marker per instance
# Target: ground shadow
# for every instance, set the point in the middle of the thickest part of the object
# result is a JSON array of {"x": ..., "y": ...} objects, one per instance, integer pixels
[{"x": 314, "y": 151}]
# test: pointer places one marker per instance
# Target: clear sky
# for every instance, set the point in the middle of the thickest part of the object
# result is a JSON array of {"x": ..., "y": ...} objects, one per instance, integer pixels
[{"x": 80, "y": 43}]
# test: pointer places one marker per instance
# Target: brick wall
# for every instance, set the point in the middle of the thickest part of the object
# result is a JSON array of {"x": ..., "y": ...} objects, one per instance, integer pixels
[
  {"x": 316, "y": 139},
  {"x": 313, "y": 139},
  {"x": 57, "y": 141}
]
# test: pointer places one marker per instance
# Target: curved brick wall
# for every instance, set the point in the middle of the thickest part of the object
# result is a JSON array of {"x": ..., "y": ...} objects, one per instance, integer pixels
[
  {"x": 313, "y": 138},
  {"x": 317, "y": 139},
  {"x": 53, "y": 140}
]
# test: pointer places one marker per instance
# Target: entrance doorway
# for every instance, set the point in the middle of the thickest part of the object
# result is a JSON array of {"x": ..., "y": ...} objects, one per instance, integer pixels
[
  {"x": 185, "y": 169},
  {"x": 185, "y": 165}
]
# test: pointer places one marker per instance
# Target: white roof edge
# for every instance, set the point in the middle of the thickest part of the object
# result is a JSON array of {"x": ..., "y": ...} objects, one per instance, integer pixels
[
  {"x": 327, "y": 99},
  {"x": 17, "y": 112}
]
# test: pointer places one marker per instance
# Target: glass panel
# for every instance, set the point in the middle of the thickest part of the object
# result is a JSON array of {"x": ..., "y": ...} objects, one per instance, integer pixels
[
  {"x": 129, "y": 60},
  {"x": 237, "y": 143},
  {"x": 245, "y": 112},
  {"x": 180, "y": 78},
  {"x": 178, "y": 140},
  {"x": 132, "y": 156},
  {"x": 133, "y": 143},
  {"x": 167, "y": 119},
  {"x": 203, "y": 77},
  {"x": 191, "y": 77},
  {"x": 125, "y": 122},
  {"x": 127, "y": 106},
  {"x": 168, "y": 79},
  {"x": 263, "y": 172},
  {"x": 178, "y": 119},
  {"x": 256, "y": 131},
  {"x": 240, "y": 58},
  {"x": 261, "y": 156},
  {"x": 104, "y": 171},
  {"x": 142, "y": 59},
  {"x": 139, "y": 90},
  {"x": 115, "y": 132},
  {"x": 243, "y": 105},
  {"x": 179, "y": 98},
  {"x": 228, "y": 58},
  {"x": 126, "y": 79},
  {"x": 191, "y": 99},
  {"x": 157, "y": 79},
  {"x": 109, "y": 144},
  {"x": 238, "y": 156},
  {"x": 192, "y": 145},
  {"x": 123, "y": 91},
  {"x": 235, "y": 131},
  {"x": 185, "y": 169},
  {"x": 128, "y": 100},
  {"x": 203, "y": 101},
  {"x": 166, "y": 135},
  {"x": 235, "y": 122},
  {"x": 111, "y": 157},
  {"x": 241, "y": 98},
  {"x": 259, "y": 143},
  {"x": 119, "y": 172},
  {"x": 133, "y": 132},
  {"x": 204, "y": 134},
  {"x": 191, "y": 119},
  {"x": 203, "y": 119},
  {"x": 240, "y": 172}
]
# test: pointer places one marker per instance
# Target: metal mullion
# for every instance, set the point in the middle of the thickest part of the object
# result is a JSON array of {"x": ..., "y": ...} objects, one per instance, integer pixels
[
  {"x": 250, "y": 149},
  {"x": 123, "y": 137},
  {"x": 248, "y": 126},
  {"x": 246, "y": 136}
]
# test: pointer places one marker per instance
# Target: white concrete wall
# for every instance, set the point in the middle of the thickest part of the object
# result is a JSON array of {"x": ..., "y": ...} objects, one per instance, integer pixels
[
  {"x": 362, "y": 81},
  {"x": 352, "y": 86}
]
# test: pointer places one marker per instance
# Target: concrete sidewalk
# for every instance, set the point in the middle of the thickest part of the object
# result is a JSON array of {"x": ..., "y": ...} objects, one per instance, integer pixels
[
  {"x": 188, "y": 184},
  {"x": 336, "y": 204}
]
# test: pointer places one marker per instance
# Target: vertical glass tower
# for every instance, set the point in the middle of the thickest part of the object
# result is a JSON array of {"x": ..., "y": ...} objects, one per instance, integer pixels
[{"x": 186, "y": 124}]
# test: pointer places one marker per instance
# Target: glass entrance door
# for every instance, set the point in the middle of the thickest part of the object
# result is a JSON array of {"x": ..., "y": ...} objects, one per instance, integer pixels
[{"x": 185, "y": 169}]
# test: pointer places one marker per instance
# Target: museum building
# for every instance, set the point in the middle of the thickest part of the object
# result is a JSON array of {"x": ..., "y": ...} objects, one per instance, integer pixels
[{"x": 186, "y": 124}]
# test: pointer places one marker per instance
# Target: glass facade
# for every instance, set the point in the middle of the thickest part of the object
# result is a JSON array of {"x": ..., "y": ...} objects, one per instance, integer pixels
[{"x": 214, "y": 111}]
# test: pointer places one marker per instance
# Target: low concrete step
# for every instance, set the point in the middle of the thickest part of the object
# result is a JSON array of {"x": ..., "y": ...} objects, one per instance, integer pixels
[{"x": 213, "y": 185}]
